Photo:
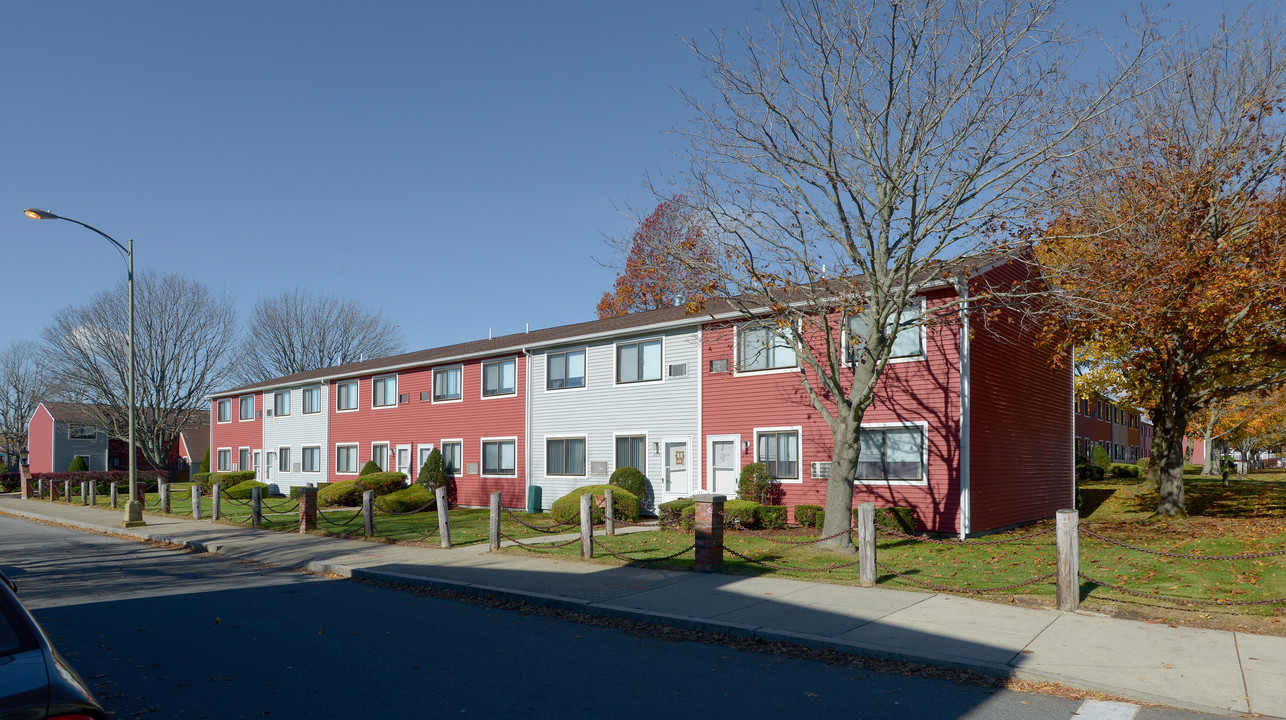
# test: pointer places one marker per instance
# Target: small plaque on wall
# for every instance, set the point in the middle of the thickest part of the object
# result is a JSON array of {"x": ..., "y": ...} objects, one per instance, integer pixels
[
  {"x": 471, "y": 468},
  {"x": 598, "y": 467}
]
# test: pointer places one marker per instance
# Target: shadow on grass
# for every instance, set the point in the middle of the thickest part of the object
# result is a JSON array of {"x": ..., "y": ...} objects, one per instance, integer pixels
[{"x": 1092, "y": 498}]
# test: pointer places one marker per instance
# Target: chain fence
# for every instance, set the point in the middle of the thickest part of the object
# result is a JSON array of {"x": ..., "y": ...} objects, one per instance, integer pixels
[
  {"x": 321, "y": 517},
  {"x": 1179, "y": 600},
  {"x": 538, "y": 547},
  {"x": 774, "y": 566},
  {"x": 1181, "y": 556},
  {"x": 967, "y": 590},
  {"x": 557, "y": 527},
  {"x": 599, "y": 545}
]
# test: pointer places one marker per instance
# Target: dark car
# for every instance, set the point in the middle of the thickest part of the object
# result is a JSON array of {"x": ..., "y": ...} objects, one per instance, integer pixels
[{"x": 35, "y": 682}]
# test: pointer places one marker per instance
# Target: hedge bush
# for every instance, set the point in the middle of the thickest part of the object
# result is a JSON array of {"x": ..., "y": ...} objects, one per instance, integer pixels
[
  {"x": 670, "y": 514},
  {"x": 772, "y": 517},
  {"x": 758, "y": 485},
  {"x": 1121, "y": 470},
  {"x": 383, "y": 483},
  {"x": 226, "y": 479},
  {"x": 77, "y": 464},
  {"x": 901, "y": 519},
  {"x": 1142, "y": 463},
  {"x": 625, "y": 504},
  {"x": 810, "y": 515},
  {"x": 10, "y": 481},
  {"x": 1088, "y": 473},
  {"x": 205, "y": 461},
  {"x": 244, "y": 490},
  {"x": 370, "y": 467},
  {"x": 631, "y": 479},
  {"x": 433, "y": 473},
  {"x": 410, "y": 499},
  {"x": 1100, "y": 458},
  {"x": 740, "y": 513},
  {"x": 344, "y": 493}
]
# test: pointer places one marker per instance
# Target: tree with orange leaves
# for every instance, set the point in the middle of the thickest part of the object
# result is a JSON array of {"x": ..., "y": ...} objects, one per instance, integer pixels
[
  {"x": 1169, "y": 260},
  {"x": 653, "y": 276}
]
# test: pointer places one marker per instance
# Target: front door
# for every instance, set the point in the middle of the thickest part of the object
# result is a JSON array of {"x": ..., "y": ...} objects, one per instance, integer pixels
[
  {"x": 267, "y": 469},
  {"x": 257, "y": 464},
  {"x": 723, "y": 470},
  {"x": 676, "y": 468},
  {"x": 404, "y": 460}
]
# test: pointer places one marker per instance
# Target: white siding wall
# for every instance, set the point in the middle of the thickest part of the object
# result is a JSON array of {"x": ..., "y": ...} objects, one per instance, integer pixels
[
  {"x": 295, "y": 430},
  {"x": 661, "y": 410}
]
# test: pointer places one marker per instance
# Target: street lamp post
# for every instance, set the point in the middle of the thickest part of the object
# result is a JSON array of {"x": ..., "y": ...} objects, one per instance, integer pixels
[{"x": 133, "y": 508}]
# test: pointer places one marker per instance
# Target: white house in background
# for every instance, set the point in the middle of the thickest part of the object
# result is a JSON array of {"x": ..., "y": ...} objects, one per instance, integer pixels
[
  {"x": 295, "y": 433},
  {"x": 617, "y": 396}
]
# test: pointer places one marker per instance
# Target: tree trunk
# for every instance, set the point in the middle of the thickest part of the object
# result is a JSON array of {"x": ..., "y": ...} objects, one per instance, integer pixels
[
  {"x": 1165, "y": 472},
  {"x": 1207, "y": 464},
  {"x": 839, "y": 487}
]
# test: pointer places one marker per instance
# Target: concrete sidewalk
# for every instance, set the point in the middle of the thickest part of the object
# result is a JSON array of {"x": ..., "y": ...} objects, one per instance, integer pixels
[{"x": 1207, "y": 670}]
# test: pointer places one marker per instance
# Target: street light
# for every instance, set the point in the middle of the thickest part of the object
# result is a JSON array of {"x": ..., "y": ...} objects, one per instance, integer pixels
[{"x": 134, "y": 508}]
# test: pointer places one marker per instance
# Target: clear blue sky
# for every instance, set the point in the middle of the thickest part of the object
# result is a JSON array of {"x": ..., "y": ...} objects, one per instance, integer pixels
[{"x": 453, "y": 164}]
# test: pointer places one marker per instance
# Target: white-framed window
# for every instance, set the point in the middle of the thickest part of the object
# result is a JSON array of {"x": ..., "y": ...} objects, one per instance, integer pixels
[
  {"x": 312, "y": 400},
  {"x": 909, "y": 342},
  {"x": 499, "y": 377},
  {"x": 224, "y": 461},
  {"x": 379, "y": 453},
  {"x": 453, "y": 455},
  {"x": 565, "y": 456},
  {"x": 310, "y": 458},
  {"x": 384, "y": 391},
  {"x": 283, "y": 458},
  {"x": 500, "y": 457},
  {"x": 281, "y": 403},
  {"x": 638, "y": 361},
  {"x": 631, "y": 451},
  {"x": 346, "y": 395},
  {"x": 778, "y": 450},
  {"x": 225, "y": 410},
  {"x": 79, "y": 431},
  {"x": 565, "y": 370},
  {"x": 892, "y": 453},
  {"x": 764, "y": 346},
  {"x": 448, "y": 383},
  {"x": 243, "y": 459},
  {"x": 247, "y": 407},
  {"x": 346, "y": 459}
]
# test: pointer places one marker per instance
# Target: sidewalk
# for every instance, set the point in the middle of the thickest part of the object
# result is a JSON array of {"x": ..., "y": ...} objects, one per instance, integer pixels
[{"x": 1206, "y": 670}]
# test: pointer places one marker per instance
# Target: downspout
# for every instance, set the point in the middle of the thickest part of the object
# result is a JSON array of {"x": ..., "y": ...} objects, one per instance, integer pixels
[
  {"x": 526, "y": 460},
  {"x": 962, "y": 287},
  {"x": 703, "y": 477}
]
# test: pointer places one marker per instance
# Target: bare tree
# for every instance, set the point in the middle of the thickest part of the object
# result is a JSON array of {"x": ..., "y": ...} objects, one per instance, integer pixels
[
  {"x": 853, "y": 147},
  {"x": 181, "y": 356},
  {"x": 23, "y": 385},
  {"x": 298, "y": 330}
]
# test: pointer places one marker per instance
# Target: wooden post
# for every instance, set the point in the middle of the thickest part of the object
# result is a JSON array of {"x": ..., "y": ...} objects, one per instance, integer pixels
[
  {"x": 609, "y": 512},
  {"x": 93, "y": 493},
  {"x": 368, "y": 513},
  {"x": 495, "y": 521},
  {"x": 866, "y": 543},
  {"x": 586, "y": 526},
  {"x": 216, "y": 495},
  {"x": 307, "y": 509},
  {"x": 256, "y": 507},
  {"x": 112, "y": 494},
  {"x": 67, "y": 490},
  {"x": 444, "y": 517},
  {"x": 84, "y": 492},
  {"x": 163, "y": 490},
  {"x": 1067, "y": 530},
  {"x": 196, "y": 501},
  {"x": 708, "y": 517}
]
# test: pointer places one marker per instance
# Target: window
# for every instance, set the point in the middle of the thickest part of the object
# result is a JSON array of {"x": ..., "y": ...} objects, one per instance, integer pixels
[
  {"x": 906, "y": 344},
  {"x": 446, "y": 383},
  {"x": 81, "y": 432},
  {"x": 565, "y": 456},
  {"x": 225, "y": 411},
  {"x": 311, "y": 457},
  {"x": 763, "y": 347},
  {"x": 451, "y": 456},
  {"x": 498, "y": 378},
  {"x": 895, "y": 453},
  {"x": 779, "y": 452},
  {"x": 498, "y": 457},
  {"x": 638, "y": 362},
  {"x": 312, "y": 400},
  {"x": 346, "y": 459},
  {"x": 243, "y": 456},
  {"x": 346, "y": 395},
  {"x": 565, "y": 370},
  {"x": 248, "y": 407},
  {"x": 384, "y": 391},
  {"x": 379, "y": 453},
  {"x": 629, "y": 452},
  {"x": 283, "y": 459},
  {"x": 281, "y": 403},
  {"x": 225, "y": 460}
]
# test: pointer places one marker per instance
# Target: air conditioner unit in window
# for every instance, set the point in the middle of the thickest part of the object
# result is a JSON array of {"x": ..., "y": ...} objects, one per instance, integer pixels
[
  {"x": 719, "y": 366},
  {"x": 424, "y": 397},
  {"x": 259, "y": 414},
  {"x": 269, "y": 413},
  {"x": 821, "y": 470},
  {"x": 403, "y": 399},
  {"x": 678, "y": 370}
]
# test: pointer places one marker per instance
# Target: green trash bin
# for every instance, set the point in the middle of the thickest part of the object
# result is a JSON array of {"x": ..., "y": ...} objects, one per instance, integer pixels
[{"x": 533, "y": 499}]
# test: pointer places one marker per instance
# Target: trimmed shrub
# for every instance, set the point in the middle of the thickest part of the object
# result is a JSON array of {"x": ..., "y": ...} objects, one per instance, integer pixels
[
  {"x": 631, "y": 479},
  {"x": 382, "y": 483},
  {"x": 416, "y": 497},
  {"x": 901, "y": 519},
  {"x": 1142, "y": 463},
  {"x": 226, "y": 479},
  {"x": 739, "y": 513},
  {"x": 205, "y": 462},
  {"x": 296, "y": 489},
  {"x": 1088, "y": 473},
  {"x": 433, "y": 473},
  {"x": 344, "y": 493},
  {"x": 758, "y": 485},
  {"x": 688, "y": 517},
  {"x": 772, "y": 517},
  {"x": 370, "y": 467},
  {"x": 244, "y": 490},
  {"x": 670, "y": 514},
  {"x": 202, "y": 480},
  {"x": 810, "y": 515},
  {"x": 1100, "y": 458},
  {"x": 1120, "y": 470},
  {"x": 1191, "y": 469},
  {"x": 77, "y": 464},
  {"x": 625, "y": 504},
  {"x": 10, "y": 481}
]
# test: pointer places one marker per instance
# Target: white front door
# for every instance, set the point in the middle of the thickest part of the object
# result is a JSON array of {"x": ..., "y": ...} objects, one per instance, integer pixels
[
  {"x": 256, "y": 466},
  {"x": 677, "y": 461},
  {"x": 267, "y": 469},
  {"x": 404, "y": 461},
  {"x": 723, "y": 467}
]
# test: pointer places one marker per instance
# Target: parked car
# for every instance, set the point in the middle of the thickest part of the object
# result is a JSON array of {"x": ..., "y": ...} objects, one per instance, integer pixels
[{"x": 36, "y": 683}]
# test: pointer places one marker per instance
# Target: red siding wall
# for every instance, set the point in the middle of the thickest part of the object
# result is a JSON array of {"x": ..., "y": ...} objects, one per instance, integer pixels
[
  {"x": 912, "y": 391},
  {"x": 421, "y": 422},
  {"x": 40, "y": 441},
  {"x": 1021, "y": 421},
  {"x": 238, "y": 433}
]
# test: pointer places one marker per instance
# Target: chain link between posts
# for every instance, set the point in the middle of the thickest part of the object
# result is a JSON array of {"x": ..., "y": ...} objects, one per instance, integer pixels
[
  {"x": 599, "y": 544},
  {"x": 321, "y": 515},
  {"x": 556, "y": 528},
  {"x": 1180, "y": 556},
  {"x": 774, "y": 566},
  {"x": 1178, "y": 600},
  {"x": 947, "y": 588},
  {"x": 549, "y": 547}
]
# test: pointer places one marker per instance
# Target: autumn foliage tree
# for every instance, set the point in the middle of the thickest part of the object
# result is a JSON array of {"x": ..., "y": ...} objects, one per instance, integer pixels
[
  {"x": 653, "y": 276},
  {"x": 1169, "y": 260}
]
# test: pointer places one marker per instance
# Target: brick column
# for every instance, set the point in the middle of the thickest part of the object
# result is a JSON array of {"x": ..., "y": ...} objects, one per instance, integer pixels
[
  {"x": 27, "y": 490},
  {"x": 307, "y": 509},
  {"x": 709, "y": 536}
]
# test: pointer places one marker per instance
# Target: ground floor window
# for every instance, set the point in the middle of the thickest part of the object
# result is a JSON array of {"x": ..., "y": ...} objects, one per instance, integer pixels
[
  {"x": 893, "y": 453},
  {"x": 779, "y": 452},
  {"x": 311, "y": 458},
  {"x": 499, "y": 457},
  {"x": 346, "y": 459},
  {"x": 630, "y": 452},
  {"x": 452, "y": 456},
  {"x": 225, "y": 460},
  {"x": 565, "y": 456}
]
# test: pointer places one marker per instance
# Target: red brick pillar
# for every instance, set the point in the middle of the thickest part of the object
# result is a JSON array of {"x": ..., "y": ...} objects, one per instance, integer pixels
[
  {"x": 27, "y": 490},
  {"x": 307, "y": 509},
  {"x": 709, "y": 537}
]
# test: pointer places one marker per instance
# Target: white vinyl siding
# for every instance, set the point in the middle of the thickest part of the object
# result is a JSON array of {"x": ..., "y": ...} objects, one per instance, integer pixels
[{"x": 302, "y": 429}]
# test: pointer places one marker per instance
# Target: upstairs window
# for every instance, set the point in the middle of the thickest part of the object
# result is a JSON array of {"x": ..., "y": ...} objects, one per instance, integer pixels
[
  {"x": 384, "y": 391},
  {"x": 498, "y": 378},
  {"x": 225, "y": 411},
  {"x": 312, "y": 400},
  {"x": 281, "y": 403},
  {"x": 346, "y": 395},
  {"x": 446, "y": 383},
  {"x": 762, "y": 346},
  {"x": 248, "y": 407},
  {"x": 906, "y": 344},
  {"x": 77, "y": 431},
  {"x": 565, "y": 370},
  {"x": 638, "y": 361}
]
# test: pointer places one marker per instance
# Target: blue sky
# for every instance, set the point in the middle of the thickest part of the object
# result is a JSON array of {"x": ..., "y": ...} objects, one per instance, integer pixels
[{"x": 453, "y": 164}]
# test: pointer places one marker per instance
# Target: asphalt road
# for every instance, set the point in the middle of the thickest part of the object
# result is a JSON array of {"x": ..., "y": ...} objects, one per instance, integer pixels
[{"x": 172, "y": 634}]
